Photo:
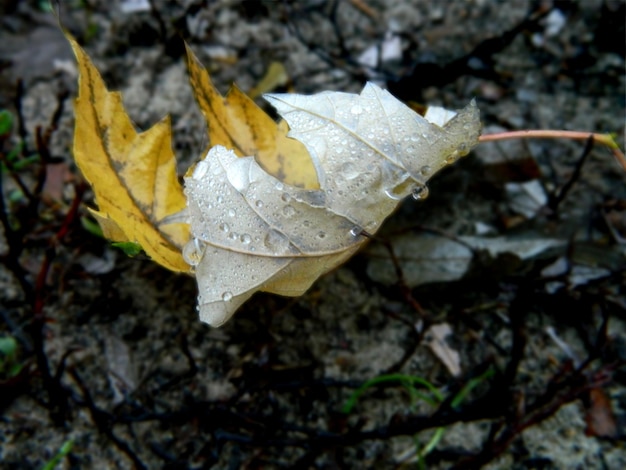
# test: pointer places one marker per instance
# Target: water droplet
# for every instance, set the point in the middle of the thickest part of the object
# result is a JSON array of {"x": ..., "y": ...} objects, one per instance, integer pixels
[
  {"x": 356, "y": 109},
  {"x": 219, "y": 199},
  {"x": 285, "y": 197},
  {"x": 463, "y": 150},
  {"x": 193, "y": 252},
  {"x": 321, "y": 235},
  {"x": 420, "y": 193},
  {"x": 276, "y": 241},
  {"x": 279, "y": 186},
  {"x": 245, "y": 239},
  {"x": 259, "y": 203},
  {"x": 391, "y": 194},
  {"x": 453, "y": 157},
  {"x": 227, "y": 296},
  {"x": 425, "y": 170},
  {"x": 400, "y": 191},
  {"x": 224, "y": 227},
  {"x": 289, "y": 211},
  {"x": 233, "y": 236},
  {"x": 306, "y": 223},
  {"x": 355, "y": 231},
  {"x": 231, "y": 213},
  {"x": 349, "y": 170}
]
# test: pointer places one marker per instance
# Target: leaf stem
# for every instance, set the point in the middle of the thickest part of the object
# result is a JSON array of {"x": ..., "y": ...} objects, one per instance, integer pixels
[{"x": 604, "y": 139}]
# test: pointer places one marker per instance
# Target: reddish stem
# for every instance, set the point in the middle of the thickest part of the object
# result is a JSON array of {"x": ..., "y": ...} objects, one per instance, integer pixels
[{"x": 604, "y": 139}]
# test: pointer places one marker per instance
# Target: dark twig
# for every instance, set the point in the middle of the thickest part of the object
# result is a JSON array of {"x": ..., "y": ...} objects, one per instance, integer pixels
[
  {"x": 14, "y": 241},
  {"x": 556, "y": 199},
  {"x": 57, "y": 398},
  {"x": 104, "y": 422},
  {"x": 557, "y": 395}
]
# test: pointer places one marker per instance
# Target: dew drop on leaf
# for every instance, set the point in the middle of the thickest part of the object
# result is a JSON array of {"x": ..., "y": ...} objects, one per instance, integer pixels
[
  {"x": 420, "y": 193},
  {"x": 193, "y": 251},
  {"x": 356, "y": 109},
  {"x": 227, "y": 296},
  {"x": 349, "y": 171},
  {"x": 276, "y": 241},
  {"x": 245, "y": 239},
  {"x": 224, "y": 227},
  {"x": 453, "y": 157},
  {"x": 289, "y": 211}
]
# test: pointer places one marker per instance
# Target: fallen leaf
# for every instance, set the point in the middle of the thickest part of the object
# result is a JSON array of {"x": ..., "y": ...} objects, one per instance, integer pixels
[
  {"x": 526, "y": 198},
  {"x": 121, "y": 371},
  {"x": 237, "y": 123},
  {"x": 429, "y": 258},
  {"x": 97, "y": 264},
  {"x": 57, "y": 176},
  {"x": 253, "y": 231},
  {"x": 599, "y": 415},
  {"x": 435, "y": 339},
  {"x": 133, "y": 175}
]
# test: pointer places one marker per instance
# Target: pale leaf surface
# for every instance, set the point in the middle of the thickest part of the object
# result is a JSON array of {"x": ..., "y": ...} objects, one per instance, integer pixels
[
  {"x": 372, "y": 148},
  {"x": 251, "y": 231}
]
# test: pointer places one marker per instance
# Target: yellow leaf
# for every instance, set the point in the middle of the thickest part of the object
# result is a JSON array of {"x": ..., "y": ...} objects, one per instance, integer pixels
[
  {"x": 237, "y": 123},
  {"x": 133, "y": 175}
]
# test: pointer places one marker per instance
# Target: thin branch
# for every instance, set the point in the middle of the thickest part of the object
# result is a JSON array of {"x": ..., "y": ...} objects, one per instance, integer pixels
[{"x": 604, "y": 139}]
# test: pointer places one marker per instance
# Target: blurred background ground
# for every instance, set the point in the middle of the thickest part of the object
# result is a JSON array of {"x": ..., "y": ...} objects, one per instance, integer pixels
[{"x": 528, "y": 278}]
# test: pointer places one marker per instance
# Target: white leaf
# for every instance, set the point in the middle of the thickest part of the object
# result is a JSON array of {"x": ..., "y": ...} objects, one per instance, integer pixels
[
  {"x": 372, "y": 148},
  {"x": 252, "y": 232}
]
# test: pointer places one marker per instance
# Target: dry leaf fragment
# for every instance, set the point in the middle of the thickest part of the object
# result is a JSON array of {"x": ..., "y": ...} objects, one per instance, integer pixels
[
  {"x": 133, "y": 175},
  {"x": 253, "y": 231},
  {"x": 435, "y": 338},
  {"x": 599, "y": 416}
]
